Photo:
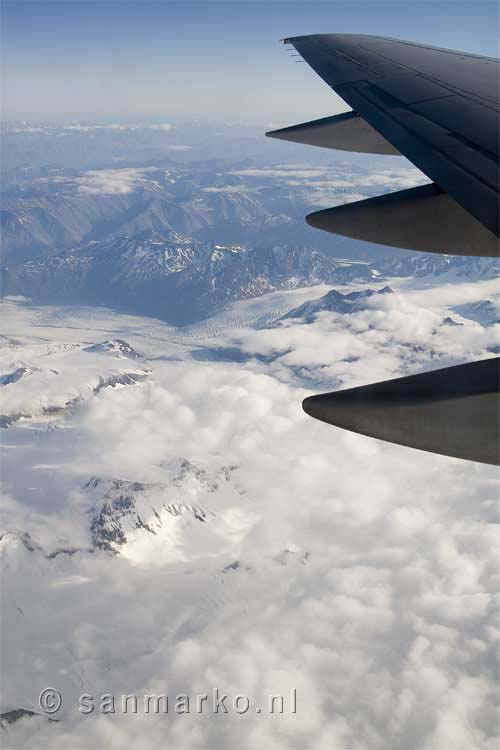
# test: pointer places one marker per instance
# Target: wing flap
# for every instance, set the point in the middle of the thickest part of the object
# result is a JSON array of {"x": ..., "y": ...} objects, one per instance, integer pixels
[
  {"x": 422, "y": 218},
  {"x": 345, "y": 132},
  {"x": 454, "y": 411}
]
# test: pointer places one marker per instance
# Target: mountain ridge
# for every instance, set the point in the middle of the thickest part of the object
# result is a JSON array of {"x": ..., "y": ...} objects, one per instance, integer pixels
[{"x": 180, "y": 279}]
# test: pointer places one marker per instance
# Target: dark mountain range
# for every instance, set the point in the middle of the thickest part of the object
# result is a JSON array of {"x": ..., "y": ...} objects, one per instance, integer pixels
[
  {"x": 35, "y": 226},
  {"x": 44, "y": 210},
  {"x": 180, "y": 279},
  {"x": 173, "y": 277},
  {"x": 179, "y": 241}
]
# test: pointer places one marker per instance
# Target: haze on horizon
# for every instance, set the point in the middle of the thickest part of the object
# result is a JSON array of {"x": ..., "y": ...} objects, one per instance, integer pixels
[{"x": 149, "y": 60}]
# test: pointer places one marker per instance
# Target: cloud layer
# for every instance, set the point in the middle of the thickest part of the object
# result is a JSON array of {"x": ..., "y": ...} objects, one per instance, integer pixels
[{"x": 361, "y": 574}]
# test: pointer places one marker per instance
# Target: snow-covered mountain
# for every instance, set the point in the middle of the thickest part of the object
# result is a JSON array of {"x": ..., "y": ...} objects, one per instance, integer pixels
[
  {"x": 174, "y": 277},
  {"x": 161, "y": 521},
  {"x": 63, "y": 208},
  {"x": 178, "y": 241},
  {"x": 181, "y": 280},
  {"x": 486, "y": 311},
  {"x": 148, "y": 522},
  {"x": 442, "y": 267},
  {"x": 118, "y": 346},
  {"x": 335, "y": 301},
  {"x": 64, "y": 377}
]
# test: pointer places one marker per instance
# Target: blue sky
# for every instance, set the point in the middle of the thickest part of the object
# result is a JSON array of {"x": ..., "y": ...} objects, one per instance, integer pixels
[{"x": 124, "y": 59}]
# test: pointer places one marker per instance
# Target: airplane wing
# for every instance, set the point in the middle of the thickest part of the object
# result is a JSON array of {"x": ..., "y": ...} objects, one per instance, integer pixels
[
  {"x": 441, "y": 109},
  {"x": 453, "y": 411},
  {"x": 437, "y": 107}
]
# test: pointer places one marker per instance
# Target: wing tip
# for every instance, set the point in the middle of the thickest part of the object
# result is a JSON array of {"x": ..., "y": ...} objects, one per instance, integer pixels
[
  {"x": 321, "y": 219},
  {"x": 308, "y": 406}
]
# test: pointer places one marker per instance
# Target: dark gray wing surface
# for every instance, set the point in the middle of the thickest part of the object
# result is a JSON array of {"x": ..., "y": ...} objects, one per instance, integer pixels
[
  {"x": 453, "y": 411},
  {"x": 441, "y": 110},
  {"x": 437, "y": 107}
]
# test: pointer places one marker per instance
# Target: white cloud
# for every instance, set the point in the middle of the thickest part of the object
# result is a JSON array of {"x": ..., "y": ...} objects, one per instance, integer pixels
[
  {"x": 87, "y": 128},
  {"x": 115, "y": 181},
  {"x": 366, "y": 572},
  {"x": 336, "y": 176},
  {"x": 333, "y": 185},
  {"x": 272, "y": 173}
]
